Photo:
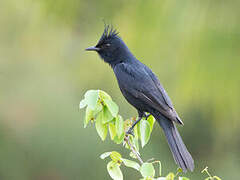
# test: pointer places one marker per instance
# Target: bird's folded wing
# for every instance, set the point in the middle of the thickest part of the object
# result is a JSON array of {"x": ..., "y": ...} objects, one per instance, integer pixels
[
  {"x": 160, "y": 88},
  {"x": 159, "y": 96},
  {"x": 141, "y": 83}
]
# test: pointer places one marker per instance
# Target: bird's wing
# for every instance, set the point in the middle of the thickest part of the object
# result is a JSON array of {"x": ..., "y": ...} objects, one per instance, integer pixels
[
  {"x": 139, "y": 81},
  {"x": 160, "y": 95},
  {"x": 161, "y": 91}
]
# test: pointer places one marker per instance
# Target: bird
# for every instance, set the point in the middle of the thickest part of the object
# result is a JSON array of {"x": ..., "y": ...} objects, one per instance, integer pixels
[{"x": 143, "y": 90}]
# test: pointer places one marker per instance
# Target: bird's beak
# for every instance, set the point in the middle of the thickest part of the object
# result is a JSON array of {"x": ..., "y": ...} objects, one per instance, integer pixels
[{"x": 92, "y": 48}]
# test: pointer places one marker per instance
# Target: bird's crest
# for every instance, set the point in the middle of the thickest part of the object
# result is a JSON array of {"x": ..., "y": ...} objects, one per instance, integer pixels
[{"x": 109, "y": 32}]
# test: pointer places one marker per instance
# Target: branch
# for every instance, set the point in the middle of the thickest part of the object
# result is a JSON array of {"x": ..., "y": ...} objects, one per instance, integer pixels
[{"x": 134, "y": 151}]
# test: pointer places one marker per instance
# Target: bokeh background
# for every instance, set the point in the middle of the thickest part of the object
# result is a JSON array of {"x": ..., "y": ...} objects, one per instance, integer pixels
[{"x": 193, "y": 47}]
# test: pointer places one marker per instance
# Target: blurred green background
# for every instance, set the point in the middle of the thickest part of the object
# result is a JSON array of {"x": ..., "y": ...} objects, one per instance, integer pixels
[{"x": 192, "y": 46}]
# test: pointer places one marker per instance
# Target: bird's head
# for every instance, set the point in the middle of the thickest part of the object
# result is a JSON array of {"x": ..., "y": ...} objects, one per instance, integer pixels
[{"x": 111, "y": 47}]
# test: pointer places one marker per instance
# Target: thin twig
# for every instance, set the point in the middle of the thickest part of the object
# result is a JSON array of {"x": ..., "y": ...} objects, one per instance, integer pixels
[
  {"x": 149, "y": 160},
  {"x": 133, "y": 149}
]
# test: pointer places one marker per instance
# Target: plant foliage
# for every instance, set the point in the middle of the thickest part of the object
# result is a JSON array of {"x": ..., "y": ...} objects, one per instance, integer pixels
[{"x": 104, "y": 113}]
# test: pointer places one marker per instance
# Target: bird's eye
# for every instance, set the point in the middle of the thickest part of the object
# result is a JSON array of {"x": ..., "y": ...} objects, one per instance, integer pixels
[{"x": 103, "y": 46}]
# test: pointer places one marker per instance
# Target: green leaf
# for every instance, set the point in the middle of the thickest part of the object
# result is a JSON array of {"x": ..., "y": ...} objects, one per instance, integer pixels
[
  {"x": 88, "y": 116},
  {"x": 130, "y": 163},
  {"x": 183, "y": 178},
  {"x": 91, "y": 98},
  {"x": 135, "y": 131},
  {"x": 170, "y": 176},
  {"x": 119, "y": 126},
  {"x": 112, "y": 130},
  {"x": 97, "y": 109},
  {"x": 127, "y": 124},
  {"x": 100, "y": 127},
  {"x": 116, "y": 157},
  {"x": 145, "y": 132},
  {"x": 112, "y": 106},
  {"x": 179, "y": 170},
  {"x": 104, "y": 155},
  {"x": 103, "y": 95},
  {"x": 147, "y": 170},
  {"x": 135, "y": 141},
  {"x": 114, "y": 171},
  {"x": 151, "y": 121},
  {"x": 120, "y": 139},
  {"x": 107, "y": 116},
  {"x": 132, "y": 155},
  {"x": 216, "y": 177},
  {"x": 138, "y": 130},
  {"x": 82, "y": 104}
]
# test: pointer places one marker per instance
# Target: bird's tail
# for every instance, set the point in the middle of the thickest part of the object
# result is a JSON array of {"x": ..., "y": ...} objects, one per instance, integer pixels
[{"x": 179, "y": 151}]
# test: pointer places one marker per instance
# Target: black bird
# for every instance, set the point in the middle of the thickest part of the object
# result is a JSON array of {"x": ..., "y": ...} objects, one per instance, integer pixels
[{"x": 142, "y": 89}]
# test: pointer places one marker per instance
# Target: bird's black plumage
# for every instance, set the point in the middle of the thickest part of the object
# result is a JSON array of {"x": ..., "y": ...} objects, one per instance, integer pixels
[{"x": 142, "y": 89}]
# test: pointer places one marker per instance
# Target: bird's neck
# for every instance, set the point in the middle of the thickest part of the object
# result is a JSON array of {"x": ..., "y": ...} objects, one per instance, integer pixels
[{"x": 125, "y": 57}]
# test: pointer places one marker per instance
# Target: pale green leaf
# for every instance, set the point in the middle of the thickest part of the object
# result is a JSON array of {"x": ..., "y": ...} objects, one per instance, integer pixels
[
  {"x": 112, "y": 130},
  {"x": 116, "y": 157},
  {"x": 112, "y": 106},
  {"x": 120, "y": 139},
  {"x": 147, "y": 170},
  {"x": 127, "y": 124},
  {"x": 100, "y": 127},
  {"x": 88, "y": 116},
  {"x": 151, "y": 121},
  {"x": 103, "y": 95},
  {"x": 183, "y": 178},
  {"x": 114, "y": 171},
  {"x": 138, "y": 130},
  {"x": 91, "y": 98},
  {"x": 135, "y": 131},
  {"x": 97, "y": 109},
  {"x": 132, "y": 155},
  {"x": 136, "y": 144},
  {"x": 82, "y": 104},
  {"x": 130, "y": 163},
  {"x": 107, "y": 116},
  {"x": 119, "y": 126},
  {"x": 216, "y": 177},
  {"x": 160, "y": 178},
  {"x": 144, "y": 132},
  {"x": 179, "y": 170},
  {"x": 104, "y": 155},
  {"x": 170, "y": 176},
  {"x": 126, "y": 145}
]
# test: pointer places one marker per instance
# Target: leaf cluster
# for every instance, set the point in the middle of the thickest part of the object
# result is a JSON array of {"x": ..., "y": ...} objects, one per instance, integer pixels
[{"x": 102, "y": 111}]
